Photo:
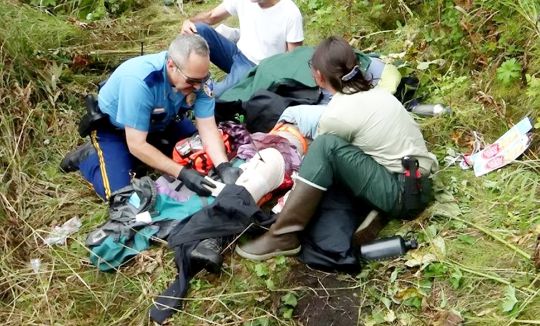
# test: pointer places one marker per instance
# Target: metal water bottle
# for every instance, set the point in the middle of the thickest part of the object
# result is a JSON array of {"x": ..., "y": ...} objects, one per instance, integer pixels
[
  {"x": 430, "y": 109},
  {"x": 386, "y": 248}
]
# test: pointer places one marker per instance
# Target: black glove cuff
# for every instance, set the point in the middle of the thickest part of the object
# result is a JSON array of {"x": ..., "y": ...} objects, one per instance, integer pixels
[
  {"x": 179, "y": 176},
  {"x": 223, "y": 166}
]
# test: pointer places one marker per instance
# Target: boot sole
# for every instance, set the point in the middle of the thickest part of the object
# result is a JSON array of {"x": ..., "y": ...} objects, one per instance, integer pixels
[
  {"x": 71, "y": 161},
  {"x": 66, "y": 167},
  {"x": 369, "y": 228},
  {"x": 211, "y": 266},
  {"x": 247, "y": 255}
]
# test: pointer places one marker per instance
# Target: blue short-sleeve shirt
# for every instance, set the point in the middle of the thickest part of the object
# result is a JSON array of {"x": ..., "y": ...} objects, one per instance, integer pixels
[{"x": 139, "y": 95}]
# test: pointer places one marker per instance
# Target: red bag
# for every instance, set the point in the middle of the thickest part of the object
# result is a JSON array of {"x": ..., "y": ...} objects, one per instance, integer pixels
[{"x": 190, "y": 152}]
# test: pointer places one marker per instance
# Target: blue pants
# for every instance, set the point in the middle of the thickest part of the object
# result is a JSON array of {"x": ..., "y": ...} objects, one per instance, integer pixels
[
  {"x": 109, "y": 168},
  {"x": 226, "y": 55}
]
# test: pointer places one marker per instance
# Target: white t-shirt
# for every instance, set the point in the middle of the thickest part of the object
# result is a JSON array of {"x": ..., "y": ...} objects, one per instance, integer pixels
[
  {"x": 266, "y": 32},
  {"x": 377, "y": 123}
]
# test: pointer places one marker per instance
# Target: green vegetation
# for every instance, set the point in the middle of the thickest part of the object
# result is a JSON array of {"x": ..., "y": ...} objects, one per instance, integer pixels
[{"x": 474, "y": 262}]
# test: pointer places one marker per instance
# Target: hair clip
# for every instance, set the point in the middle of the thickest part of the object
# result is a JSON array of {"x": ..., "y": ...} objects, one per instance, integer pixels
[{"x": 355, "y": 70}]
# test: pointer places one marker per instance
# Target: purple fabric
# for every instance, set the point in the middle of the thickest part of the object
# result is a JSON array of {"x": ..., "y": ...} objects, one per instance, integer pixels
[
  {"x": 163, "y": 187},
  {"x": 238, "y": 133},
  {"x": 262, "y": 141},
  {"x": 242, "y": 141}
]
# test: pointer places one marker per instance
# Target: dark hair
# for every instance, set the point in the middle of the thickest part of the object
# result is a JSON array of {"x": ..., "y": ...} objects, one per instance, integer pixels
[{"x": 337, "y": 62}]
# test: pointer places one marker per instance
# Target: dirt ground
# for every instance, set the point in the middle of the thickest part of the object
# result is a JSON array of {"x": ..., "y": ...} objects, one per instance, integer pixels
[{"x": 324, "y": 302}]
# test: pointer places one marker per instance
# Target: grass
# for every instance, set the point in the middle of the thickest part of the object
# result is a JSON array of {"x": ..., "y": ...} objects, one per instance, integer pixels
[{"x": 475, "y": 241}]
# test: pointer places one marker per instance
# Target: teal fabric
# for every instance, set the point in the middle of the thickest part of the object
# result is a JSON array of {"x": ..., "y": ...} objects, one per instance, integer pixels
[
  {"x": 171, "y": 209},
  {"x": 169, "y": 205},
  {"x": 111, "y": 254},
  {"x": 280, "y": 69}
]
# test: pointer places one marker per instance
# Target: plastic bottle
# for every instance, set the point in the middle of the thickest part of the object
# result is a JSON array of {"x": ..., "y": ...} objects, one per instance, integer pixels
[
  {"x": 430, "y": 109},
  {"x": 386, "y": 248}
]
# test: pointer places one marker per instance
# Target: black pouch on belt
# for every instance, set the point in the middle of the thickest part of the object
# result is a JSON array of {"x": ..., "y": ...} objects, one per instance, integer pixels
[
  {"x": 92, "y": 118},
  {"x": 412, "y": 186}
]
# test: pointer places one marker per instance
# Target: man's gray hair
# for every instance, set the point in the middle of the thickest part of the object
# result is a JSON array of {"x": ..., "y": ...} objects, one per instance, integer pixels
[{"x": 183, "y": 45}]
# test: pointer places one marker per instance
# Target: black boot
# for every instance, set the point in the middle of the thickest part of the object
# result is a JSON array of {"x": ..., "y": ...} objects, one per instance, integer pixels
[
  {"x": 207, "y": 254},
  {"x": 73, "y": 159}
]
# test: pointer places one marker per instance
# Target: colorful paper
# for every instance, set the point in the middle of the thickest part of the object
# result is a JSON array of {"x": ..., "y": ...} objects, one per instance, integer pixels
[{"x": 503, "y": 151}]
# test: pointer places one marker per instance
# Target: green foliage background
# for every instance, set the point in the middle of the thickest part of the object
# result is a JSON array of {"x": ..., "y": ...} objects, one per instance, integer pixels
[{"x": 482, "y": 58}]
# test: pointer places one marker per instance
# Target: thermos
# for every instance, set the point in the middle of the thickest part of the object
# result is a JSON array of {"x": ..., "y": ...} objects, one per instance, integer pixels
[{"x": 386, "y": 248}]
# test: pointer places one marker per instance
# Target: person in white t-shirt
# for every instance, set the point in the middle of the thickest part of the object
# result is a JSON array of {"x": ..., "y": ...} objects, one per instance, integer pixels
[{"x": 267, "y": 27}]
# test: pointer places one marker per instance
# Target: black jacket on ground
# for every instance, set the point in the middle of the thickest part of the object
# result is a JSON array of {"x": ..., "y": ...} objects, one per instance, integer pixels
[
  {"x": 231, "y": 213},
  {"x": 326, "y": 242}
]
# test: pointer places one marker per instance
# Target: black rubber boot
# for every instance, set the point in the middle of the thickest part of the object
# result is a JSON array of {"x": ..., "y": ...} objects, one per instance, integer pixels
[
  {"x": 207, "y": 254},
  {"x": 73, "y": 159}
]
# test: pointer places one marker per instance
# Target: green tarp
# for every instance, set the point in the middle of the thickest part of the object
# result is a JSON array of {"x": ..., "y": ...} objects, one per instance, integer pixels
[{"x": 277, "y": 70}]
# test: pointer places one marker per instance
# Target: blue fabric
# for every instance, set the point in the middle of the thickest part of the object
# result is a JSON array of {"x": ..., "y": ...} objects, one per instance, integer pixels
[
  {"x": 305, "y": 117},
  {"x": 139, "y": 95},
  {"x": 226, "y": 55},
  {"x": 374, "y": 71},
  {"x": 117, "y": 160}
]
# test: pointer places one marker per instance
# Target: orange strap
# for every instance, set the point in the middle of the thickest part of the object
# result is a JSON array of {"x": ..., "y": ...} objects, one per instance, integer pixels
[{"x": 281, "y": 126}]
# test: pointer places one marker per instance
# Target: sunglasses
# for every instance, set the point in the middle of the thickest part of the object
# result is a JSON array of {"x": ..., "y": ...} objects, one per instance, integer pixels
[{"x": 190, "y": 80}]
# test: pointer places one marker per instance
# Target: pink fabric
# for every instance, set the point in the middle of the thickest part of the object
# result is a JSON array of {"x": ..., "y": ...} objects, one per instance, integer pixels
[{"x": 262, "y": 141}]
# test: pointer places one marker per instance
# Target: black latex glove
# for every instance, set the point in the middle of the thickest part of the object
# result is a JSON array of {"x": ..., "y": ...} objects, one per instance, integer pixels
[
  {"x": 195, "y": 182},
  {"x": 228, "y": 173}
]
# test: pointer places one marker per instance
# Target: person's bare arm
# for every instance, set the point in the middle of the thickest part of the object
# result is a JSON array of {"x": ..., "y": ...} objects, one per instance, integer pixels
[
  {"x": 212, "y": 140},
  {"x": 294, "y": 45},
  {"x": 211, "y": 17},
  {"x": 148, "y": 154}
]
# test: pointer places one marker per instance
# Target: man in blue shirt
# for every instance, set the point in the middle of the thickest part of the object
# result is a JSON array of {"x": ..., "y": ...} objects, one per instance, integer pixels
[{"x": 145, "y": 99}]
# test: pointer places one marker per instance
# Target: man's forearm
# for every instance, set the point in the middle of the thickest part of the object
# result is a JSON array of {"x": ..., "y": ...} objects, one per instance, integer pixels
[
  {"x": 211, "y": 139},
  {"x": 205, "y": 17},
  {"x": 292, "y": 46},
  {"x": 215, "y": 149}
]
